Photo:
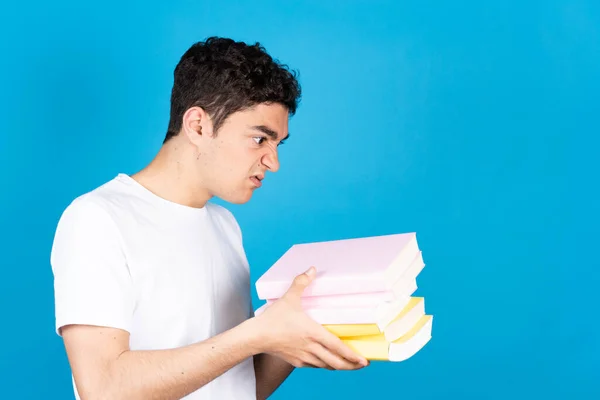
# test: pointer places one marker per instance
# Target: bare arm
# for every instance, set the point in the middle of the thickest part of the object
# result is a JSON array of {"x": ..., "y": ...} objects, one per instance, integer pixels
[
  {"x": 270, "y": 371},
  {"x": 105, "y": 368}
]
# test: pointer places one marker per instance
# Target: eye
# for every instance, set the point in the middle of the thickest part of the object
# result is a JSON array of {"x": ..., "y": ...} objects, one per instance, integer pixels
[
  {"x": 281, "y": 142},
  {"x": 259, "y": 139}
]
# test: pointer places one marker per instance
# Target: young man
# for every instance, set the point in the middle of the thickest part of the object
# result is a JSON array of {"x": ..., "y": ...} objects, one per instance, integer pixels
[{"x": 151, "y": 280}]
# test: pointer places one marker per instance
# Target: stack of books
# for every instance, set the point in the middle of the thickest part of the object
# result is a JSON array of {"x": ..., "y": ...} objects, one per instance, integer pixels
[{"x": 363, "y": 292}]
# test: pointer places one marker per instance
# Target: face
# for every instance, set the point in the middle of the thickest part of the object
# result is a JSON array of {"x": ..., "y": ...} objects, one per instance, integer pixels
[{"x": 234, "y": 163}]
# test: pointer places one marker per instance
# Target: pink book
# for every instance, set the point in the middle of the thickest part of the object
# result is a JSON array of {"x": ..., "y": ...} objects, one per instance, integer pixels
[
  {"x": 347, "y": 266},
  {"x": 380, "y": 314},
  {"x": 406, "y": 285}
]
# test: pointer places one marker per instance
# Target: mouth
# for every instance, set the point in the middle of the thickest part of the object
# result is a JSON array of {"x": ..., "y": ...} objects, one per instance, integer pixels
[{"x": 257, "y": 180}]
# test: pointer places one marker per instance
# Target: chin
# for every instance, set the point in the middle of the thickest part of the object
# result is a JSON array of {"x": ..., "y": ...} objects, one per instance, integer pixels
[{"x": 238, "y": 198}]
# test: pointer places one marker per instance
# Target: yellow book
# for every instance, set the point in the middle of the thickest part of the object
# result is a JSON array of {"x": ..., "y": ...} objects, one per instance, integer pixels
[
  {"x": 398, "y": 327},
  {"x": 377, "y": 347}
]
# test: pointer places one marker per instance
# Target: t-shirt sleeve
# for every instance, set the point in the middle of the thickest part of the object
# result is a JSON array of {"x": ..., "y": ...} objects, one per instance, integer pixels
[{"x": 92, "y": 284}]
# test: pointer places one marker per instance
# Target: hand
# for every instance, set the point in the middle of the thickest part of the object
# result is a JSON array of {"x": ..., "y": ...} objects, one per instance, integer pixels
[{"x": 288, "y": 332}]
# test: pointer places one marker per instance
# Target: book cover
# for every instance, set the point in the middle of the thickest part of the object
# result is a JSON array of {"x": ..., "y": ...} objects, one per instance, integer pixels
[
  {"x": 402, "y": 290},
  {"x": 400, "y": 325},
  {"x": 345, "y": 266},
  {"x": 377, "y": 347},
  {"x": 380, "y": 315}
]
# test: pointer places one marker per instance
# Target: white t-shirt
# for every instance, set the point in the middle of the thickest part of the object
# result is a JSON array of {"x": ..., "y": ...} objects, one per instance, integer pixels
[{"x": 169, "y": 274}]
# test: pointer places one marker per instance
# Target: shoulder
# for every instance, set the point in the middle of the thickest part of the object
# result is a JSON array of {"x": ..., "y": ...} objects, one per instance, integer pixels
[
  {"x": 88, "y": 217},
  {"x": 87, "y": 207},
  {"x": 103, "y": 204}
]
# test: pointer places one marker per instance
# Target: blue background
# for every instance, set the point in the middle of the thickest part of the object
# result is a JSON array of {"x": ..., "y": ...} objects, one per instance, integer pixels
[{"x": 473, "y": 123}]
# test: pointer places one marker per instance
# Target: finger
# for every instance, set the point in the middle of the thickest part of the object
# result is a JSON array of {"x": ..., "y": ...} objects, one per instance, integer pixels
[
  {"x": 314, "y": 361},
  {"x": 301, "y": 282},
  {"x": 333, "y": 360},
  {"x": 336, "y": 346},
  {"x": 296, "y": 362},
  {"x": 307, "y": 360}
]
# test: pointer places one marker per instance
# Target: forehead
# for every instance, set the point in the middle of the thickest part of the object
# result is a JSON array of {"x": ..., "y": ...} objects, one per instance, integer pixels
[{"x": 273, "y": 116}]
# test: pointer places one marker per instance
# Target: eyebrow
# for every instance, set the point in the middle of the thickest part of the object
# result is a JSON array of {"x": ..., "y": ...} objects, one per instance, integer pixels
[{"x": 268, "y": 131}]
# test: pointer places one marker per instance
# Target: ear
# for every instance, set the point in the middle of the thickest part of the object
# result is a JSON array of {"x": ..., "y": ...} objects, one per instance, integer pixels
[{"x": 196, "y": 125}]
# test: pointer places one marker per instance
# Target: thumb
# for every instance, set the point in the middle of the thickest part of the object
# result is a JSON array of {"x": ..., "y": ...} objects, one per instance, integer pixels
[{"x": 301, "y": 282}]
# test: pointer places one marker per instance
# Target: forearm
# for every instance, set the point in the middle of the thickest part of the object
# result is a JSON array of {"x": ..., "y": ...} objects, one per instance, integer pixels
[
  {"x": 270, "y": 373},
  {"x": 175, "y": 373}
]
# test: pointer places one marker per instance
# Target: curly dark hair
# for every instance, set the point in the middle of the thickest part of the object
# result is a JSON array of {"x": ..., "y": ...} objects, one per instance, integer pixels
[{"x": 224, "y": 76}]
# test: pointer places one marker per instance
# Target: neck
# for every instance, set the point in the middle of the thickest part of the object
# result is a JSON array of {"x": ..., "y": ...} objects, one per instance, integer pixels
[{"x": 172, "y": 175}]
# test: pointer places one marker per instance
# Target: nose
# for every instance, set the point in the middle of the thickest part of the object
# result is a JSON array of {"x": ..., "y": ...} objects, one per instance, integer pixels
[{"x": 271, "y": 160}]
